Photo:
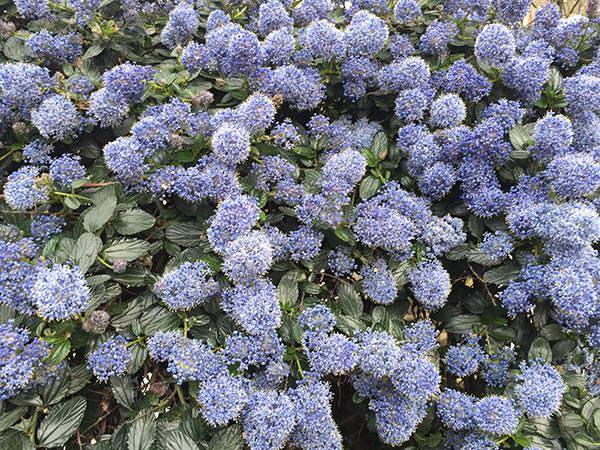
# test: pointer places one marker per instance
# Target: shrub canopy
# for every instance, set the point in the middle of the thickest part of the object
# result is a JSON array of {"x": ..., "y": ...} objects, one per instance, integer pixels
[{"x": 312, "y": 224}]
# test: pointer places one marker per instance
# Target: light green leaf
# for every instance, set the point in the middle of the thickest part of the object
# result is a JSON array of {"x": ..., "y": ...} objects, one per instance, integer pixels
[
  {"x": 287, "y": 290},
  {"x": 133, "y": 221},
  {"x": 96, "y": 217},
  {"x": 86, "y": 249}
]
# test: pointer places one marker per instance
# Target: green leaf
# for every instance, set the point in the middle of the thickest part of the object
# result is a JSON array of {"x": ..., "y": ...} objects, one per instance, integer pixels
[
  {"x": 158, "y": 318},
  {"x": 379, "y": 147},
  {"x": 93, "y": 50},
  {"x": 287, "y": 290},
  {"x": 9, "y": 418},
  {"x": 142, "y": 432},
  {"x": 462, "y": 324},
  {"x": 368, "y": 187},
  {"x": 72, "y": 203},
  {"x": 86, "y": 249},
  {"x": 126, "y": 249},
  {"x": 61, "y": 423},
  {"x": 184, "y": 233},
  {"x": 96, "y": 217},
  {"x": 501, "y": 275},
  {"x": 122, "y": 389},
  {"x": 345, "y": 235},
  {"x": 15, "y": 440},
  {"x": 571, "y": 420},
  {"x": 540, "y": 348},
  {"x": 59, "y": 352},
  {"x": 228, "y": 439},
  {"x": 133, "y": 221},
  {"x": 178, "y": 440},
  {"x": 350, "y": 301}
]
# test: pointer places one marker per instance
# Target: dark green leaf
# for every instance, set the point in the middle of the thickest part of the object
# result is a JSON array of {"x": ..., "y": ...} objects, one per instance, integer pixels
[
  {"x": 86, "y": 249},
  {"x": 126, "y": 249},
  {"x": 540, "y": 348},
  {"x": 350, "y": 301},
  {"x": 61, "y": 423},
  {"x": 142, "y": 432},
  {"x": 228, "y": 439}
]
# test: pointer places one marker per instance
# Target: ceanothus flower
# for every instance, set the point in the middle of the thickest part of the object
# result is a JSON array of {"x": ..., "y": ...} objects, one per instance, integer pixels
[
  {"x": 323, "y": 40},
  {"x": 430, "y": 284},
  {"x": 456, "y": 409},
  {"x": 406, "y": 11},
  {"x": 539, "y": 389},
  {"x": 340, "y": 262},
  {"x": 128, "y": 80},
  {"x": 194, "y": 360},
  {"x": 574, "y": 175},
  {"x": 464, "y": 359},
  {"x": 110, "y": 359},
  {"x": 181, "y": 26},
  {"x": 235, "y": 216},
  {"x": 222, "y": 399},
  {"x": 411, "y": 105},
  {"x": 396, "y": 417},
  {"x": 302, "y": 88},
  {"x": 310, "y": 10},
  {"x": 497, "y": 246},
  {"x": 332, "y": 354},
  {"x": 304, "y": 243},
  {"x": 65, "y": 169},
  {"x": 420, "y": 337},
  {"x": 253, "y": 306},
  {"x": 496, "y": 366},
  {"x": 43, "y": 227},
  {"x": 378, "y": 283},
  {"x": 272, "y": 16},
  {"x": 318, "y": 319},
  {"x": 57, "y": 118},
  {"x": 60, "y": 292},
  {"x": 32, "y": 9},
  {"x": 437, "y": 37},
  {"x": 22, "y": 362},
  {"x": 187, "y": 286},
  {"x": 162, "y": 344},
  {"x": 48, "y": 47},
  {"x": 553, "y": 136},
  {"x": 447, "y": 111},
  {"x": 495, "y": 45},
  {"x": 278, "y": 47},
  {"x": 108, "y": 109},
  {"x": 366, "y": 34},
  {"x": 315, "y": 427},
  {"x": 248, "y": 257},
  {"x": 378, "y": 354},
  {"x": 511, "y": 11},
  {"x": 496, "y": 415},
  {"x": 268, "y": 419},
  {"x": 417, "y": 378},
  {"x": 23, "y": 189}
]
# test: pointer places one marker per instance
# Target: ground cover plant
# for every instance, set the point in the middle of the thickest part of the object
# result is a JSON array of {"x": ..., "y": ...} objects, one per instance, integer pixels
[{"x": 306, "y": 224}]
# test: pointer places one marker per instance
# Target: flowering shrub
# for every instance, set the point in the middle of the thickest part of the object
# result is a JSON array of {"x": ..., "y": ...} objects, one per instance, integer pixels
[{"x": 305, "y": 225}]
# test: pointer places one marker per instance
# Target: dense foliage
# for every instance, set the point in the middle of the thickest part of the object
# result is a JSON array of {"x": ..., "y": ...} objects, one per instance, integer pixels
[{"x": 311, "y": 224}]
